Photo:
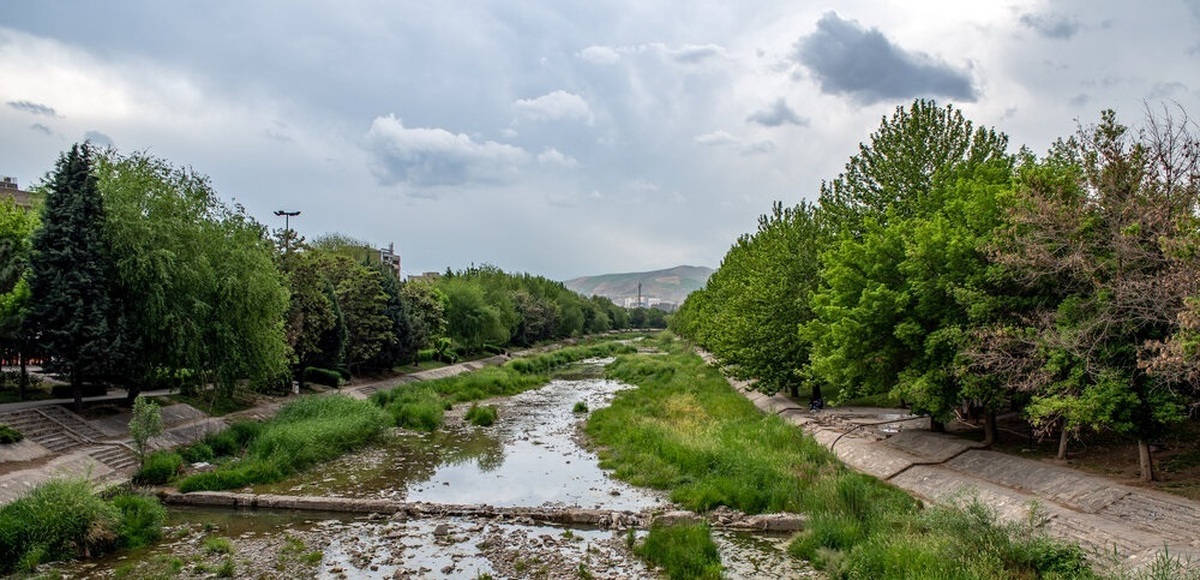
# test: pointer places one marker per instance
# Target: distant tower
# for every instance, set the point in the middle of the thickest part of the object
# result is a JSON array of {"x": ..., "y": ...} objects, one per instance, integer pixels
[{"x": 639, "y": 302}]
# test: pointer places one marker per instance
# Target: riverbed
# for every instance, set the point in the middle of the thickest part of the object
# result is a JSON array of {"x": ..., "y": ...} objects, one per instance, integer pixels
[{"x": 534, "y": 456}]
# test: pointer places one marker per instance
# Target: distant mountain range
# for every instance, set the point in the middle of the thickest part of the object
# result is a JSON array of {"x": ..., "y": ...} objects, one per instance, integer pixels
[{"x": 670, "y": 285}]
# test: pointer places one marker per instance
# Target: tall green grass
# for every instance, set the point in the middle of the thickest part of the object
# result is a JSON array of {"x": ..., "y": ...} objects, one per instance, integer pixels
[
  {"x": 683, "y": 551},
  {"x": 304, "y": 433},
  {"x": 63, "y": 519},
  {"x": 421, "y": 406},
  {"x": 686, "y": 431}
]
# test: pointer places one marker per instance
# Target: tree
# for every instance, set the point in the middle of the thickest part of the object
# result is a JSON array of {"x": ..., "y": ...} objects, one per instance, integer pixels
[
  {"x": 755, "y": 302},
  {"x": 426, "y": 306},
  {"x": 363, "y": 302},
  {"x": 904, "y": 158},
  {"x": 16, "y": 230},
  {"x": 68, "y": 281},
  {"x": 144, "y": 425},
  {"x": 313, "y": 318},
  {"x": 402, "y": 347},
  {"x": 1110, "y": 220},
  {"x": 901, "y": 285},
  {"x": 199, "y": 290}
]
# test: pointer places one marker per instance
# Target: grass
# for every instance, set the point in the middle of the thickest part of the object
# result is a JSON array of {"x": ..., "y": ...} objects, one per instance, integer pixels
[
  {"x": 580, "y": 407},
  {"x": 63, "y": 519},
  {"x": 158, "y": 468},
  {"x": 421, "y": 406},
  {"x": 686, "y": 431},
  {"x": 10, "y": 435},
  {"x": 682, "y": 551},
  {"x": 484, "y": 416},
  {"x": 305, "y": 432}
]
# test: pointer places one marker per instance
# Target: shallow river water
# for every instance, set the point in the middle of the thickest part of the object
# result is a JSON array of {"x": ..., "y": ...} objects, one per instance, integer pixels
[{"x": 531, "y": 457}]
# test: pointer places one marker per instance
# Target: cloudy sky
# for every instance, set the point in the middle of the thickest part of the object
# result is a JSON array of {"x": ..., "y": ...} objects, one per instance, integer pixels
[{"x": 559, "y": 138}]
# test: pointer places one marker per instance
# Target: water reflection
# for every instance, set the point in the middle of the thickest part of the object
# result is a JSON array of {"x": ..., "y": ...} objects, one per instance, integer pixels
[{"x": 531, "y": 457}]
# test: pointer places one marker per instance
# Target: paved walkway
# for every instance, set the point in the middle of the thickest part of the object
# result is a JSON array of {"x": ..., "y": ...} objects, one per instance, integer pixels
[{"x": 1100, "y": 514}]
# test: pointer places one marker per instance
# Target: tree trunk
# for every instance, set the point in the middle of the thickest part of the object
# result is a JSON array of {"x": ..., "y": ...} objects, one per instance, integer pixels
[
  {"x": 816, "y": 392},
  {"x": 990, "y": 433},
  {"x": 23, "y": 384},
  {"x": 936, "y": 426},
  {"x": 1145, "y": 467},
  {"x": 794, "y": 390},
  {"x": 77, "y": 392},
  {"x": 1063, "y": 437}
]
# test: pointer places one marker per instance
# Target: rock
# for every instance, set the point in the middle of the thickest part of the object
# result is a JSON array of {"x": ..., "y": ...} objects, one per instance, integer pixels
[
  {"x": 677, "y": 518},
  {"x": 441, "y": 530}
]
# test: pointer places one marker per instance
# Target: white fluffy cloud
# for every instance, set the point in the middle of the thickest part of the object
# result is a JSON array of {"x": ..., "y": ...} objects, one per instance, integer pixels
[
  {"x": 555, "y": 106},
  {"x": 433, "y": 157}
]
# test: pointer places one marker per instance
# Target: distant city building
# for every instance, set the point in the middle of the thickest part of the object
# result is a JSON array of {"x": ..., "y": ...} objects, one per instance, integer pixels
[
  {"x": 426, "y": 276},
  {"x": 389, "y": 258},
  {"x": 9, "y": 188}
]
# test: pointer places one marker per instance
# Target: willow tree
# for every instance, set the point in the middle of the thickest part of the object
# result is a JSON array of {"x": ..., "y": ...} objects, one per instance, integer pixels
[{"x": 202, "y": 300}]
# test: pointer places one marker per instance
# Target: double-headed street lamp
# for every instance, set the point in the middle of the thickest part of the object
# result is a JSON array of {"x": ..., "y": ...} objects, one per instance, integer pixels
[{"x": 287, "y": 229}]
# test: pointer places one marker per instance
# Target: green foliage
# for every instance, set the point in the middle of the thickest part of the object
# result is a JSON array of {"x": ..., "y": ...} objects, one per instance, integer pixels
[
  {"x": 197, "y": 452},
  {"x": 218, "y": 545},
  {"x": 682, "y": 551},
  {"x": 412, "y": 407},
  {"x": 196, "y": 279},
  {"x": 484, "y": 416},
  {"x": 305, "y": 432},
  {"x": 322, "y": 377},
  {"x": 10, "y": 435},
  {"x": 145, "y": 424},
  {"x": 142, "y": 519},
  {"x": 158, "y": 468},
  {"x": 580, "y": 407},
  {"x": 69, "y": 279},
  {"x": 685, "y": 430},
  {"x": 56, "y": 520}
]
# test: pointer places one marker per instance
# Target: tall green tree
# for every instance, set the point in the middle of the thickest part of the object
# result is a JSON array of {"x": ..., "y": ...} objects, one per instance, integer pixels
[
  {"x": 200, "y": 293},
  {"x": 1119, "y": 242},
  {"x": 915, "y": 210},
  {"x": 69, "y": 313},
  {"x": 16, "y": 231},
  {"x": 363, "y": 304},
  {"x": 756, "y": 301}
]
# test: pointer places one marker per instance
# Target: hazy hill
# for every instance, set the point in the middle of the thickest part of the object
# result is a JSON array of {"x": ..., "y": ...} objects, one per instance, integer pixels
[{"x": 670, "y": 285}]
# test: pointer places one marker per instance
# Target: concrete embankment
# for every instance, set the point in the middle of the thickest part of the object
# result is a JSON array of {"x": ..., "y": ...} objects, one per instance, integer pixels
[{"x": 1103, "y": 516}]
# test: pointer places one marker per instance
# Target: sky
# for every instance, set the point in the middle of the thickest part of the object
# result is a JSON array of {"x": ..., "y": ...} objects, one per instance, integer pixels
[{"x": 560, "y": 138}]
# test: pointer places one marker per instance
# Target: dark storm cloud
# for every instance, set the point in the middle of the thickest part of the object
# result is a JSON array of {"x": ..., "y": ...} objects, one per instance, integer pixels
[
  {"x": 778, "y": 114},
  {"x": 99, "y": 139},
  {"x": 1053, "y": 26},
  {"x": 847, "y": 59},
  {"x": 33, "y": 108}
]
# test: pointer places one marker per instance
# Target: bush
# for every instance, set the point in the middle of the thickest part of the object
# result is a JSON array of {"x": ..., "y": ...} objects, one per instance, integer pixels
[
  {"x": 10, "y": 435},
  {"x": 197, "y": 452},
  {"x": 481, "y": 416},
  {"x": 158, "y": 468},
  {"x": 142, "y": 519},
  {"x": 682, "y": 551},
  {"x": 580, "y": 407},
  {"x": 322, "y": 376},
  {"x": 56, "y": 520}
]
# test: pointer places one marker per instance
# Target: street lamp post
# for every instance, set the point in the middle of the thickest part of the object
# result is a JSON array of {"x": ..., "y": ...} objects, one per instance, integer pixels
[{"x": 287, "y": 229}]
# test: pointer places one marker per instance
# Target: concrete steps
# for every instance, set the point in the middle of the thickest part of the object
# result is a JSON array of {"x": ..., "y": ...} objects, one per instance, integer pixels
[
  {"x": 118, "y": 457},
  {"x": 37, "y": 426}
]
